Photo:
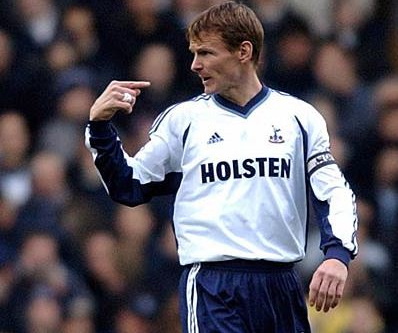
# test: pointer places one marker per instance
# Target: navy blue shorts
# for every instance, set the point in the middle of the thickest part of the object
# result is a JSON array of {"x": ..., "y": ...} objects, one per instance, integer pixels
[{"x": 242, "y": 296}]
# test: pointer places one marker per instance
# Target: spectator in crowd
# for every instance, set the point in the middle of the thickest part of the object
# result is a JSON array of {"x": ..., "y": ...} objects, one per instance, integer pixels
[
  {"x": 380, "y": 134},
  {"x": 89, "y": 207},
  {"x": 392, "y": 39},
  {"x": 186, "y": 10},
  {"x": 49, "y": 285},
  {"x": 137, "y": 25},
  {"x": 8, "y": 240},
  {"x": 361, "y": 27},
  {"x": 357, "y": 314},
  {"x": 48, "y": 197},
  {"x": 59, "y": 56},
  {"x": 106, "y": 280},
  {"x": 163, "y": 269},
  {"x": 44, "y": 208},
  {"x": 338, "y": 145},
  {"x": 25, "y": 84},
  {"x": 130, "y": 319},
  {"x": 168, "y": 320},
  {"x": 336, "y": 76},
  {"x": 7, "y": 279},
  {"x": 40, "y": 19},
  {"x": 80, "y": 29},
  {"x": 43, "y": 312},
  {"x": 133, "y": 228},
  {"x": 137, "y": 131},
  {"x": 272, "y": 14},
  {"x": 290, "y": 67},
  {"x": 348, "y": 18},
  {"x": 156, "y": 62},
  {"x": 317, "y": 13},
  {"x": 15, "y": 151},
  {"x": 75, "y": 93}
]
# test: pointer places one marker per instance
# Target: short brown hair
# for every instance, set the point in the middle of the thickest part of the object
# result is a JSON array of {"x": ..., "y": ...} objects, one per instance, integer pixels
[{"x": 234, "y": 22}]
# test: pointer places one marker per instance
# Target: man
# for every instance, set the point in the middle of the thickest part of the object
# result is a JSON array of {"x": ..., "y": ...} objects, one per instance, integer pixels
[{"x": 242, "y": 160}]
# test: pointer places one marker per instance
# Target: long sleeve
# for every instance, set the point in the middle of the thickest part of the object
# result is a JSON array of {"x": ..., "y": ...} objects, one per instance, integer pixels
[
  {"x": 332, "y": 199},
  {"x": 130, "y": 180}
]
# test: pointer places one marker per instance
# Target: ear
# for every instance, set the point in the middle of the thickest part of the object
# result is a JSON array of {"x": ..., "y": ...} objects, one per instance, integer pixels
[{"x": 246, "y": 51}]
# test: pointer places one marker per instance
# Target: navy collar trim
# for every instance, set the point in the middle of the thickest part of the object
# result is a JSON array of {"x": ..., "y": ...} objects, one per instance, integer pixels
[{"x": 246, "y": 110}]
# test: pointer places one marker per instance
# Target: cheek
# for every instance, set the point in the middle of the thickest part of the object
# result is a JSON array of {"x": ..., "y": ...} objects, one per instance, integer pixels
[{"x": 222, "y": 68}]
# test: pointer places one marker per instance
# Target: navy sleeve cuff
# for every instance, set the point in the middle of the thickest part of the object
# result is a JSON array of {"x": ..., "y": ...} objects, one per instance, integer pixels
[
  {"x": 339, "y": 253},
  {"x": 101, "y": 129}
]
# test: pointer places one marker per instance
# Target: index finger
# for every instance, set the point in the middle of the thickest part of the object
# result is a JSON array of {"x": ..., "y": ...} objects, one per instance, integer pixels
[{"x": 137, "y": 84}]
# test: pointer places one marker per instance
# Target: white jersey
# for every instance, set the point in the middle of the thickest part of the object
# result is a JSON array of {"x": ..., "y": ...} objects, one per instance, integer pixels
[{"x": 242, "y": 177}]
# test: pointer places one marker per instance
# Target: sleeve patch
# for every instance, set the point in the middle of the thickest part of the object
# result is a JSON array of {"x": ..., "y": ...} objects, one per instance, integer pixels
[{"x": 320, "y": 160}]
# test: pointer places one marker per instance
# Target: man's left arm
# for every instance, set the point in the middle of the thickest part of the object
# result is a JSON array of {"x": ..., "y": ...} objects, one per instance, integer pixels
[{"x": 335, "y": 211}]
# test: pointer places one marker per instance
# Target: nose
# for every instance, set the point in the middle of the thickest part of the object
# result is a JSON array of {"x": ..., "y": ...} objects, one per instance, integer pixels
[{"x": 195, "y": 65}]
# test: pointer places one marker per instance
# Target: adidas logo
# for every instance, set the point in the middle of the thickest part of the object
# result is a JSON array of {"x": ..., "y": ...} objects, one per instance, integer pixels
[{"x": 215, "y": 138}]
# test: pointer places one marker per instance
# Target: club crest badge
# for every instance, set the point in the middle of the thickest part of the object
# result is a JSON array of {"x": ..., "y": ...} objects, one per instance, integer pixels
[{"x": 276, "y": 137}]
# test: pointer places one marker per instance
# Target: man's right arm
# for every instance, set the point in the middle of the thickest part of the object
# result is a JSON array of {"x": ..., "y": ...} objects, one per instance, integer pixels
[
  {"x": 110, "y": 160},
  {"x": 125, "y": 182},
  {"x": 131, "y": 180}
]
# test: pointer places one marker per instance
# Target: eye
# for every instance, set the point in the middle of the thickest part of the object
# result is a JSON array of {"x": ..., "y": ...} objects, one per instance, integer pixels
[{"x": 203, "y": 52}]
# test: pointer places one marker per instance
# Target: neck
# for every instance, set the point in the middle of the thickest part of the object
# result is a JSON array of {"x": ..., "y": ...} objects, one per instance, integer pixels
[{"x": 244, "y": 92}]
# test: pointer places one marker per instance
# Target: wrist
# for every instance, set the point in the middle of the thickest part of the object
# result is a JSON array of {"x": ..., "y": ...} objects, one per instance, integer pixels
[{"x": 340, "y": 253}]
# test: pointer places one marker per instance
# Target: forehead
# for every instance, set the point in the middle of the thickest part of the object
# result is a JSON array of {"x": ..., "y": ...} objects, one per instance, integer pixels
[{"x": 207, "y": 39}]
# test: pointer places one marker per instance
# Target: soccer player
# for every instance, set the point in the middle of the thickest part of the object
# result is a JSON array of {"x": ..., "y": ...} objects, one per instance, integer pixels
[{"x": 243, "y": 161}]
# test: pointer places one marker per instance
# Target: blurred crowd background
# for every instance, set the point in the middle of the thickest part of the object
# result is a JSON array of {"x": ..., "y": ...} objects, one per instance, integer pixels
[{"x": 72, "y": 261}]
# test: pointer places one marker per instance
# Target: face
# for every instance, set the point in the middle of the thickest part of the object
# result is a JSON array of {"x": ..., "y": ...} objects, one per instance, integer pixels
[{"x": 218, "y": 68}]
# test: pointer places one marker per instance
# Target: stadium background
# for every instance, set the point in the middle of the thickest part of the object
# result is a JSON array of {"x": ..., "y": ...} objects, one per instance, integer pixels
[{"x": 73, "y": 261}]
